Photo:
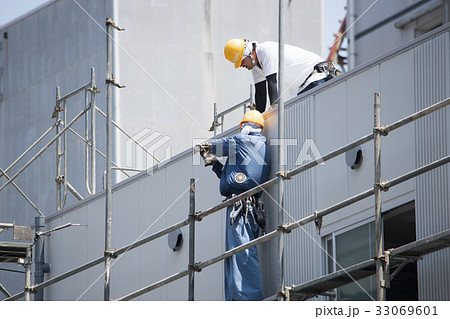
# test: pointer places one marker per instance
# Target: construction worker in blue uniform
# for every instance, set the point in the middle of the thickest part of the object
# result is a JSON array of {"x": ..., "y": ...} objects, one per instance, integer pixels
[{"x": 247, "y": 165}]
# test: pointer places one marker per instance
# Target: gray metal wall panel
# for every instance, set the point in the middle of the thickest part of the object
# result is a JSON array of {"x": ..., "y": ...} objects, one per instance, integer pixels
[
  {"x": 432, "y": 71},
  {"x": 302, "y": 245}
]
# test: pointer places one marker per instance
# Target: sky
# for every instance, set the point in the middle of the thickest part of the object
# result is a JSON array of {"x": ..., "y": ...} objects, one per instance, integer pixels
[{"x": 334, "y": 10}]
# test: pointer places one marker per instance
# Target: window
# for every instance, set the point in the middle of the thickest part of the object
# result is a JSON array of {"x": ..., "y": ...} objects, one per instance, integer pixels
[{"x": 358, "y": 245}]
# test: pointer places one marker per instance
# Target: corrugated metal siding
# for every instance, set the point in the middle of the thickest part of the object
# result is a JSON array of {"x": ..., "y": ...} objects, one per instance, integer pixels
[
  {"x": 432, "y": 71},
  {"x": 302, "y": 254}
]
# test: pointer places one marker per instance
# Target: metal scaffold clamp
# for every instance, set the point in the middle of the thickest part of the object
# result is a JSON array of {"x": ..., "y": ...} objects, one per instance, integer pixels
[
  {"x": 284, "y": 228},
  {"x": 382, "y": 130},
  {"x": 195, "y": 267},
  {"x": 60, "y": 179},
  {"x": 113, "y": 82},
  {"x": 318, "y": 221},
  {"x": 31, "y": 290},
  {"x": 111, "y": 22},
  {"x": 284, "y": 175},
  {"x": 56, "y": 110},
  {"x": 110, "y": 253},
  {"x": 383, "y": 186},
  {"x": 283, "y": 294},
  {"x": 94, "y": 89}
]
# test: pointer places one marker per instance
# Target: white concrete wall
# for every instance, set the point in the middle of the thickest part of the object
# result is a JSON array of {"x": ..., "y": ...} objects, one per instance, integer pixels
[{"x": 171, "y": 60}]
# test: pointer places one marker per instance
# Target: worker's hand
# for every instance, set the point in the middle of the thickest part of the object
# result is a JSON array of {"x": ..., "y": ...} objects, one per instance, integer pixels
[
  {"x": 202, "y": 147},
  {"x": 205, "y": 147}
]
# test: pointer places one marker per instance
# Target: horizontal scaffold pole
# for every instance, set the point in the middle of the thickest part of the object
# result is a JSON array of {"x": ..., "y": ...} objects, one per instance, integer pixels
[
  {"x": 45, "y": 147},
  {"x": 384, "y": 186},
  {"x": 154, "y": 286}
]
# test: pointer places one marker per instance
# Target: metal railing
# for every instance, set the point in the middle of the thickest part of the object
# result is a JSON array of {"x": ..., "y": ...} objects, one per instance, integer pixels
[
  {"x": 248, "y": 103},
  {"x": 194, "y": 217}
]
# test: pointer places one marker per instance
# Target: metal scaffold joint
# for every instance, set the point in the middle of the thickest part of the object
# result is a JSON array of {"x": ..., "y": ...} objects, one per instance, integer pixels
[
  {"x": 284, "y": 228},
  {"x": 283, "y": 294},
  {"x": 284, "y": 175},
  {"x": 196, "y": 216},
  {"x": 110, "y": 253},
  {"x": 31, "y": 290},
  {"x": 382, "y": 130},
  {"x": 56, "y": 110},
  {"x": 111, "y": 22},
  {"x": 94, "y": 90},
  {"x": 60, "y": 179},
  {"x": 318, "y": 221},
  {"x": 383, "y": 186},
  {"x": 195, "y": 267},
  {"x": 113, "y": 82}
]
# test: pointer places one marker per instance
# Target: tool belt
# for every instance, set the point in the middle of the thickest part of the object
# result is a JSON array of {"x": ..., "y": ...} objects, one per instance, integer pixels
[
  {"x": 327, "y": 68},
  {"x": 250, "y": 205}
]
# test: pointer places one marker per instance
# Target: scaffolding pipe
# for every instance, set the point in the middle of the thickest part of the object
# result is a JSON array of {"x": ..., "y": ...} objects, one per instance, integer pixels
[
  {"x": 39, "y": 226},
  {"x": 74, "y": 191},
  {"x": 4, "y": 291},
  {"x": 15, "y": 297},
  {"x": 68, "y": 274},
  {"x": 100, "y": 153},
  {"x": 351, "y": 34},
  {"x": 150, "y": 238},
  {"x": 44, "y": 148},
  {"x": 281, "y": 148},
  {"x": 22, "y": 193},
  {"x": 130, "y": 137},
  {"x": 27, "y": 265},
  {"x": 379, "y": 243},
  {"x": 86, "y": 147},
  {"x": 60, "y": 100},
  {"x": 234, "y": 251},
  {"x": 154, "y": 286},
  {"x": 367, "y": 193},
  {"x": 430, "y": 109},
  {"x": 418, "y": 171},
  {"x": 214, "y": 124},
  {"x": 93, "y": 135},
  {"x": 58, "y": 148},
  {"x": 28, "y": 149},
  {"x": 109, "y": 83},
  {"x": 191, "y": 240},
  {"x": 64, "y": 177},
  {"x": 231, "y": 109}
]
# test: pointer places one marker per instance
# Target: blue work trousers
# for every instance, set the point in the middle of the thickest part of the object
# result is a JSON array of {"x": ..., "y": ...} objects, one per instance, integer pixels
[{"x": 242, "y": 274}]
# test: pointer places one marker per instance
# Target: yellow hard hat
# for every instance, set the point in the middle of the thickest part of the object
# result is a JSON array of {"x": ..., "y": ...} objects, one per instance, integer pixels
[
  {"x": 234, "y": 51},
  {"x": 253, "y": 116}
]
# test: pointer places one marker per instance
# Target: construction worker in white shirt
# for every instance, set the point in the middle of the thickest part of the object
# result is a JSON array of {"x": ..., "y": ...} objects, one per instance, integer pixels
[{"x": 303, "y": 69}]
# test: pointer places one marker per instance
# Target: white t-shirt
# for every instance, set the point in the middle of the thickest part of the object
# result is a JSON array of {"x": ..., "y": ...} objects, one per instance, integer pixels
[{"x": 298, "y": 64}]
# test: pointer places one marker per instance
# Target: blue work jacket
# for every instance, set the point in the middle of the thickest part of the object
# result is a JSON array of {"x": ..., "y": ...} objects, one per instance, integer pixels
[{"x": 248, "y": 155}]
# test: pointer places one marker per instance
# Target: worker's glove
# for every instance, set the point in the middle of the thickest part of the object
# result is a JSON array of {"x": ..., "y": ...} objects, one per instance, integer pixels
[{"x": 205, "y": 153}]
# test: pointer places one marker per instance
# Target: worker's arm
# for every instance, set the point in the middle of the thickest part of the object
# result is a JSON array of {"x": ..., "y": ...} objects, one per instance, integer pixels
[
  {"x": 260, "y": 96},
  {"x": 217, "y": 168},
  {"x": 273, "y": 89}
]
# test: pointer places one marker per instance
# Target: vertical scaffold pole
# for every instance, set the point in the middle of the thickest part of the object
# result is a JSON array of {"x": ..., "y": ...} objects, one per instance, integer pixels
[
  {"x": 191, "y": 239},
  {"x": 281, "y": 149},
  {"x": 109, "y": 83},
  {"x": 27, "y": 266},
  {"x": 379, "y": 242},
  {"x": 58, "y": 149},
  {"x": 92, "y": 137},
  {"x": 39, "y": 226},
  {"x": 215, "y": 119}
]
